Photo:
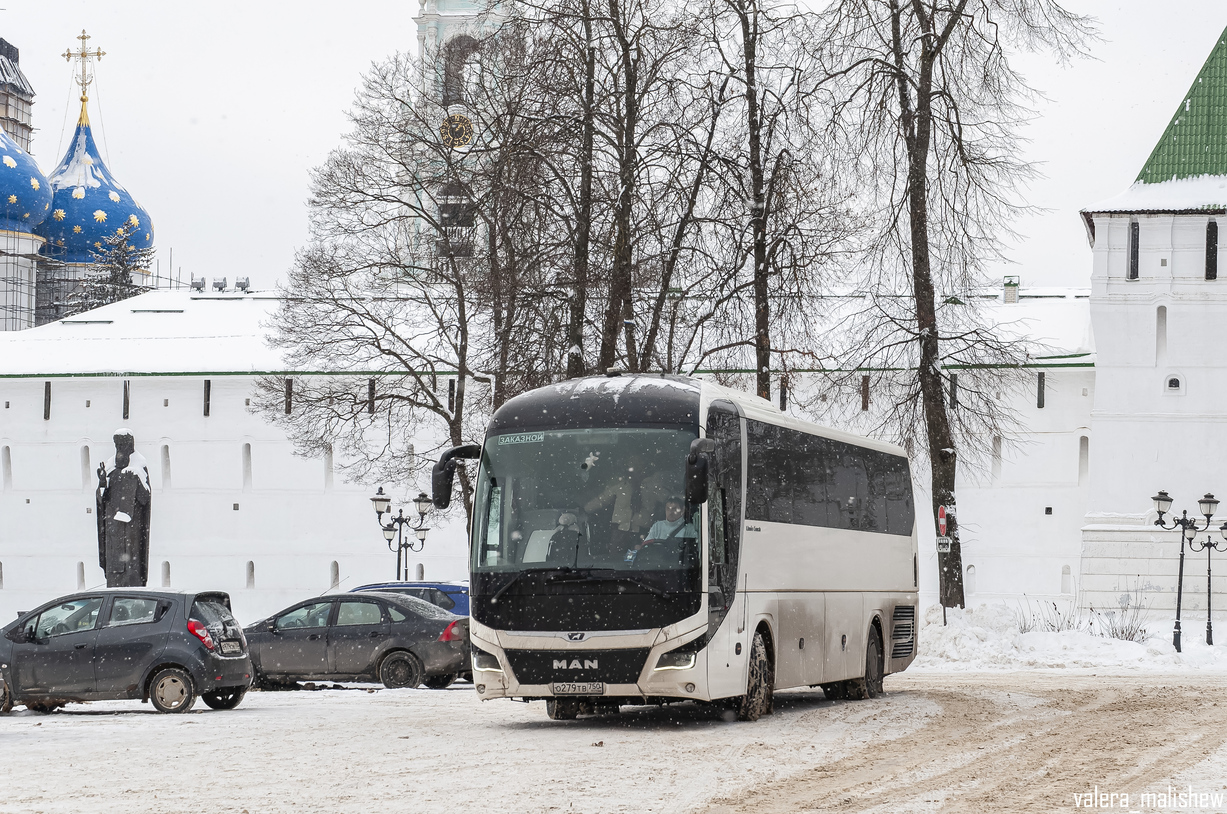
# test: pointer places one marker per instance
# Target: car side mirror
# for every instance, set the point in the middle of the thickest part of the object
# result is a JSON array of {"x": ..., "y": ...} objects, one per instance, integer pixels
[
  {"x": 272, "y": 626},
  {"x": 444, "y": 473},
  {"x": 696, "y": 470}
]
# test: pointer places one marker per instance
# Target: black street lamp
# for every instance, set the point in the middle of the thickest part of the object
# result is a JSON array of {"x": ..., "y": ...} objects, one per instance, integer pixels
[
  {"x": 394, "y": 529},
  {"x": 1208, "y": 545},
  {"x": 1188, "y": 531}
]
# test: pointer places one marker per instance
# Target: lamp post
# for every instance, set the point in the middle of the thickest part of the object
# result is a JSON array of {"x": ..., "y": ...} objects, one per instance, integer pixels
[
  {"x": 394, "y": 528},
  {"x": 1209, "y": 545},
  {"x": 1188, "y": 532}
]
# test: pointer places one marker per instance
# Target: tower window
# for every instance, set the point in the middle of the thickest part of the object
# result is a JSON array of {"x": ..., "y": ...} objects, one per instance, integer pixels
[
  {"x": 1039, "y": 392},
  {"x": 1173, "y": 383},
  {"x": 1134, "y": 234},
  {"x": 1212, "y": 250}
]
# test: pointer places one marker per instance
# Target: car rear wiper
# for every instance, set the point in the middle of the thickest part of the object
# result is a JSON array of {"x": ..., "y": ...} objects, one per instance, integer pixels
[{"x": 560, "y": 569}]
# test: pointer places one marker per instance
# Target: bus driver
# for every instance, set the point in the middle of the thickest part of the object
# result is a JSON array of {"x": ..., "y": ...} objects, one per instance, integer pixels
[{"x": 673, "y": 527}]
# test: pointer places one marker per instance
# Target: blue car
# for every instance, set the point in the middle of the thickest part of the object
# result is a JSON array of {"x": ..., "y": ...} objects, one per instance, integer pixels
[{"x": 451, "y": 596}]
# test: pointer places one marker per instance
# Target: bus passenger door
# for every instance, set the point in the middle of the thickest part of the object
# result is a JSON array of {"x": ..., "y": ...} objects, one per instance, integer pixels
[
  {"x": 725, "y": 667},
  {"x": 844, "y": 654}
]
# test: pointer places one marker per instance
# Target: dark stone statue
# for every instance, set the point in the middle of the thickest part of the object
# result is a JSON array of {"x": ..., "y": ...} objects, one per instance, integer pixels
[{"x": 123, "y": 515}]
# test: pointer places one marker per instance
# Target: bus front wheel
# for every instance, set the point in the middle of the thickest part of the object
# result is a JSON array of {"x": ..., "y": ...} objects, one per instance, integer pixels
[{"x": 758, "y": 700}]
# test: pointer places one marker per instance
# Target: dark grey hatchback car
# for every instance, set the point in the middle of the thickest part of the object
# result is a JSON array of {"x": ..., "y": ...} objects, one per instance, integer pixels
[
  {"x": 399, "y": 640},
  {"x": 165, "y": 647}
]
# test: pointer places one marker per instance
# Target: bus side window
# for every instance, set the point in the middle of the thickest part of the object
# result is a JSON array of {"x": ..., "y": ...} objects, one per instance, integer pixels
[{"x": 490, "y": 541}]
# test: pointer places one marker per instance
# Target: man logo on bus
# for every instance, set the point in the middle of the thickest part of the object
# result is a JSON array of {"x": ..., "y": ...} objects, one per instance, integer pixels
[{"x": 588, "y": 664}]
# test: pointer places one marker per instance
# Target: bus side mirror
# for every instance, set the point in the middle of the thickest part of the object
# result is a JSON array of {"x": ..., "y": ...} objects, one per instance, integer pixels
[
  {"x": 444, "y": 473},
  {"x": 696, "y": 470}
]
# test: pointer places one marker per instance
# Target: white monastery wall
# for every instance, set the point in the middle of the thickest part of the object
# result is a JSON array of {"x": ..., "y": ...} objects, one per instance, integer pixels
[{"x": 211, "y": 514}]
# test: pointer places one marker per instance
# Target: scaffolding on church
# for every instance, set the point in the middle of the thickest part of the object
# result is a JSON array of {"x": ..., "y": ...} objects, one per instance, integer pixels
[{"x": 17, "y": 288}]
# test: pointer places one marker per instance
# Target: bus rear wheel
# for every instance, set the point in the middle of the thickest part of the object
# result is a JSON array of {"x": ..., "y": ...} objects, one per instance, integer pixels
[
  {"x": 870, "y": 686},
  {"x": 759, "y": 697}
]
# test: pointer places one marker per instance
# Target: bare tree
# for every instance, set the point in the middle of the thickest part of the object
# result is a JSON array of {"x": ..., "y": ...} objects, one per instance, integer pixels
[
  {"x": 426, "y": 273},
  {"x": 927, "y": 111},
  {"x": 118, "y": 265}
]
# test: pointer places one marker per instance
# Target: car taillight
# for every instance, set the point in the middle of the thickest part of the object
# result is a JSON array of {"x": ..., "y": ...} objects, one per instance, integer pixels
[
  {"x": 200, "y": 632},
  {"x": 452, "y": 633}
]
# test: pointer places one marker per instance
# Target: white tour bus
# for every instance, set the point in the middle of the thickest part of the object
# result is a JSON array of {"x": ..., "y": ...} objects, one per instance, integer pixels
[{"x": 645, "y": 539}]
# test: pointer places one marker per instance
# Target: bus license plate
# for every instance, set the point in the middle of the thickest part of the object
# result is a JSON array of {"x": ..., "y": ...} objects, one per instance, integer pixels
[{"x": 578, "y": 688}]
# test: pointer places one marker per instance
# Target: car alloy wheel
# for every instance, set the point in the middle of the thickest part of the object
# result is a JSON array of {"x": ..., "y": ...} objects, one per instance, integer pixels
[{"x": 172, "y": 690}]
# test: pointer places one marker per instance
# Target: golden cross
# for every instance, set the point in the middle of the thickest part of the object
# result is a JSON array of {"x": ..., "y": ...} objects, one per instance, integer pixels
[{"x": 84, "y": 56}]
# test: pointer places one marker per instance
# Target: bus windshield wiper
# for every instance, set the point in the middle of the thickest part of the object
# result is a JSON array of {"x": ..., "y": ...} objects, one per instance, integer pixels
[
  {"x": 610, "y": 574},
  {"x": 559, "y": 569}
]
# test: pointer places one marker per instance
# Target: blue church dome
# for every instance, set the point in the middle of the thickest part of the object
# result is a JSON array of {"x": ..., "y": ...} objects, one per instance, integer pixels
[
  {"x": 89, "y": 204},
  {"x": 25, "y": 193}
]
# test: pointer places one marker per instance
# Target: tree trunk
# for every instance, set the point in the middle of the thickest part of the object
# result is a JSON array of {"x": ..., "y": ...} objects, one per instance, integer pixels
[
  {"x": 583, "y": 226},
  {"x": 758, "y": 217},
  {"x": 943, "y": 459},
  {"x": 618, "y": 311}
]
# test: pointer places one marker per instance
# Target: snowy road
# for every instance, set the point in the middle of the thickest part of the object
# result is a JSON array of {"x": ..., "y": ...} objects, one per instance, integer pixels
[{"x": 934, "y": 742}]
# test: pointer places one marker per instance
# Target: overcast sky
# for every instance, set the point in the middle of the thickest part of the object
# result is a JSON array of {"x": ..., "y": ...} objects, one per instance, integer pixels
[{"x": 212, "y": 114}]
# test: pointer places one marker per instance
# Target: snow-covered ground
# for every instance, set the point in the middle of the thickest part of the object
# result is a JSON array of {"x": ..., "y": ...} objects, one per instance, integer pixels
[
  {"x": 988, "y": 637},
  {"x": 420, "y": 751},
  {"x": 952, "y": 734}
]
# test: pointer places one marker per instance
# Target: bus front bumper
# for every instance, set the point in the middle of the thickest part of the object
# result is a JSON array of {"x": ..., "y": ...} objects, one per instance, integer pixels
[{"x": 686, "y": 682}]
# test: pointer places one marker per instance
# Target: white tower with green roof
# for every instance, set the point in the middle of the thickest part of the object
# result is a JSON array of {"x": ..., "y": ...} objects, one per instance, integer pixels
[{"x": 1159, "y": 311}]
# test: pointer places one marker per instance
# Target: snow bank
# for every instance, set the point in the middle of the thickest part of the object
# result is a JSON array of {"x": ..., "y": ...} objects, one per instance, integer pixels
[{"x": 988, "y": 637}]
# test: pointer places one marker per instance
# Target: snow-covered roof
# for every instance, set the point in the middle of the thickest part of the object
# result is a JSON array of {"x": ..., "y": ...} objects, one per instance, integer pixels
[
  {"x": 1058, "y": 318},
  {"x": 159, "y": 332},
  {"x": 178, "y": 332},
  {"x": 10, "y": 72},
  {"x": 1179, "y": 195}
]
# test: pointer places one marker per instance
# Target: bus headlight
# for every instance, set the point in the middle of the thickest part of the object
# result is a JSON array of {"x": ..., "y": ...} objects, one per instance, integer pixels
[
  {"x": 485, "y": 661},
  {"x": 676, "y": 661},
  {"x": 682, "y": 658}
]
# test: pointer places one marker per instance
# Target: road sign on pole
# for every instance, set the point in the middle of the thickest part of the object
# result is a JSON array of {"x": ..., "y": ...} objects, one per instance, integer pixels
[{"x": 941, "y": 521}]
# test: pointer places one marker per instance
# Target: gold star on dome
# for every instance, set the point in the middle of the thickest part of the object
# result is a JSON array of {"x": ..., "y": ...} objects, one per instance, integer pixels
[
  {"x": 114, "y": 196},
  {"x": 59, "y": 242},
  {"x": 12, "y": 199},
  {"x": 58, "y": 214},
  {"x": 26, "y": 215},
  {"x": 76, "y": 230},
  {"x": 100, "y": 216},
  {"x": 34, "y": 183},
  {"x": 79, "y": 192},
  {"x": 146, "y": 235},
  {"x": 9, "y": 162},
  {"x": 132, "y": 219},
  {"x": 97, "y": 245},
  {"x": 119, "y": 230}
]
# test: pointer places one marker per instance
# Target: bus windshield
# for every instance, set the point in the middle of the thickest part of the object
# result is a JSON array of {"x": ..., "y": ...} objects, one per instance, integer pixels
[{"x": 592, "y": 503}]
